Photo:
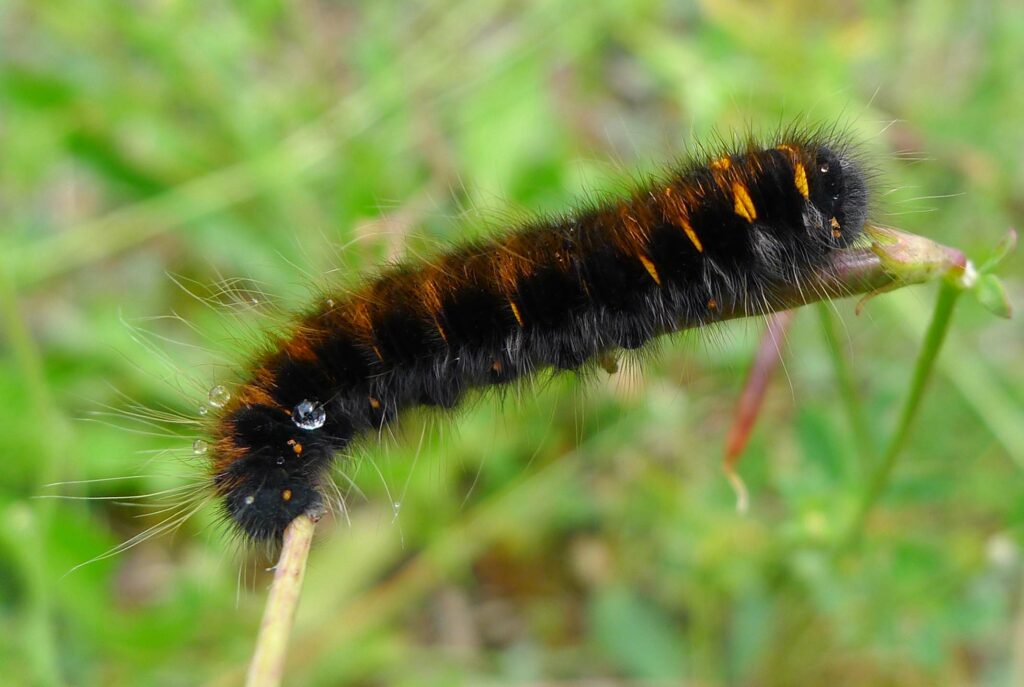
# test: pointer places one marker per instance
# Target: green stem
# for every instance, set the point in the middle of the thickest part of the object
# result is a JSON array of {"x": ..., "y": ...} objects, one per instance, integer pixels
[{"x": 948, "y": 295}]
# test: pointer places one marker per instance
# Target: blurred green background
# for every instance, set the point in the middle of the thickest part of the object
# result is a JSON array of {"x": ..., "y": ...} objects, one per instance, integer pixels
[{"x": 579, "y": 532}]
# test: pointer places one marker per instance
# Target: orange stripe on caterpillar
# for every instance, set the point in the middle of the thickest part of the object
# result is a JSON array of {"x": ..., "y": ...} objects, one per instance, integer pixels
[
  {"x": 635, "y": 221},
  {"x": 729, "y": 181},
  {"x": 692, "y": 235},
  {"x": 800, "y": 180},
  {"x": 744, "y": 205},
  {"x": 678, "y": 216},
  {"x": 799, "y": 171},
  {"x": 511, "y": 262},
  {"x": 651, "y": 270},
  {"x": 440, "y": 330},
  {"x": 362, "y": 320},
  {"x": 515, "y": 311},
  {"x": 255, "y": 393},
  {"x": 431, "y": 298},
  {"x": 299, "y": 348}
]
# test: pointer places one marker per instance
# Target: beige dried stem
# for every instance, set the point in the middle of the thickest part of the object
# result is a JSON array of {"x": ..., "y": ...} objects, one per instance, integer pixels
[
  {"x": 888, "y": 259},
  {"x": 267, "y": 665}
]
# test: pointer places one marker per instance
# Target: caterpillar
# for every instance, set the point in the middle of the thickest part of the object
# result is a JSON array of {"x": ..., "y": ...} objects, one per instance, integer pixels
[{"x": 718, "y": 231}]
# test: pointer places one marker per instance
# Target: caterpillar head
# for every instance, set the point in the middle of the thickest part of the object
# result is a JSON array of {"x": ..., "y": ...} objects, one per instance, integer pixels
[
  {"x": 268, "y": 469},
  {"x": 838, "y": 191}
]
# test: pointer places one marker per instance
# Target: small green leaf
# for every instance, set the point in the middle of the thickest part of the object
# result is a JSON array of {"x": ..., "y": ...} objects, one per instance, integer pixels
[
  {"x": 990, "y": 293},
  {"x": 1005, "y": 246}
]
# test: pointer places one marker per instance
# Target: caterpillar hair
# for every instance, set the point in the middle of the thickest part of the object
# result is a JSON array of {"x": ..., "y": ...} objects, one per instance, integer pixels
[{"x": 731, "y": 230}]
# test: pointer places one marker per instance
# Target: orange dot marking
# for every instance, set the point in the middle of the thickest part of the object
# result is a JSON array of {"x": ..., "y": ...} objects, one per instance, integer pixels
[
  {"x": 744, "y": 205},
  {"x": 286, "y": 494},
  {"x": 836, "y": 229},
  {"x": 712, "y": 304},
  {"x": 649, "y": 266},
  {"x": 721, "y": 163},
  {"x": 374, "y": 403}
]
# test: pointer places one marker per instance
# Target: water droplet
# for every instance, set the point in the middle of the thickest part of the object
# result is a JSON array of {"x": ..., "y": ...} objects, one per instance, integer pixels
[
  {"x": 199, "y": 447},
  {"x": 280, "y": 460},
  {"x": 397, "y": 506},
  {"x": 203, "y": 410},
  {"x": 249, "y": 500},
  {"x": 309, "y": 415},
  {"x": 219, "y": 396},
  {"x": 330, "y": 302}
]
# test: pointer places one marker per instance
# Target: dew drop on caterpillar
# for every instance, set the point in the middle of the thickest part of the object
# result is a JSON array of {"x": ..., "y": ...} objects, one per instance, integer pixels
[{"x": 726, "y": 231}]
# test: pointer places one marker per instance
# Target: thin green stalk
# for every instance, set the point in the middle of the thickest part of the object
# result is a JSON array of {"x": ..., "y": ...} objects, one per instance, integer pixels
[
  {"x": 948, "y": 295},
  {"x": 862, "y": 435}
]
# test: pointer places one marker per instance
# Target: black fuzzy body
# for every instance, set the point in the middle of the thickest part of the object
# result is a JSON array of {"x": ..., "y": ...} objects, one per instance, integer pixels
[{"x": 731, "y": 232}]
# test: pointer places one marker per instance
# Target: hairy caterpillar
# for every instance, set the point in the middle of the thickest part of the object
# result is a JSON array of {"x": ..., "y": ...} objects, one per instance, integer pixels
[{"x": 733, "y": 228}]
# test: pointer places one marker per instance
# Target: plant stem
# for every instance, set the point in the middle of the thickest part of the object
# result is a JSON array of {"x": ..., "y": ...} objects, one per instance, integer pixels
[
  {"x": 893, "y": 259},
  {"x": 267, "y": 666},
  {"x": 948, "y": 295}
]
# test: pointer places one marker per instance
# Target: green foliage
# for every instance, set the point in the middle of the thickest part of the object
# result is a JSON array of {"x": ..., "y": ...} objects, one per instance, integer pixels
[{"x": 574, "y": 529}]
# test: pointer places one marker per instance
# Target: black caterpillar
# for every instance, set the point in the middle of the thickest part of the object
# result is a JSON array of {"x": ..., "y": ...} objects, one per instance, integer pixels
[{"x": 732, "y": 229}]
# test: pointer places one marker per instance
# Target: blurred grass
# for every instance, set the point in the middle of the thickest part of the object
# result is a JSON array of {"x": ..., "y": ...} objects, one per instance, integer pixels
[{"x": 580, "y": 530}]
